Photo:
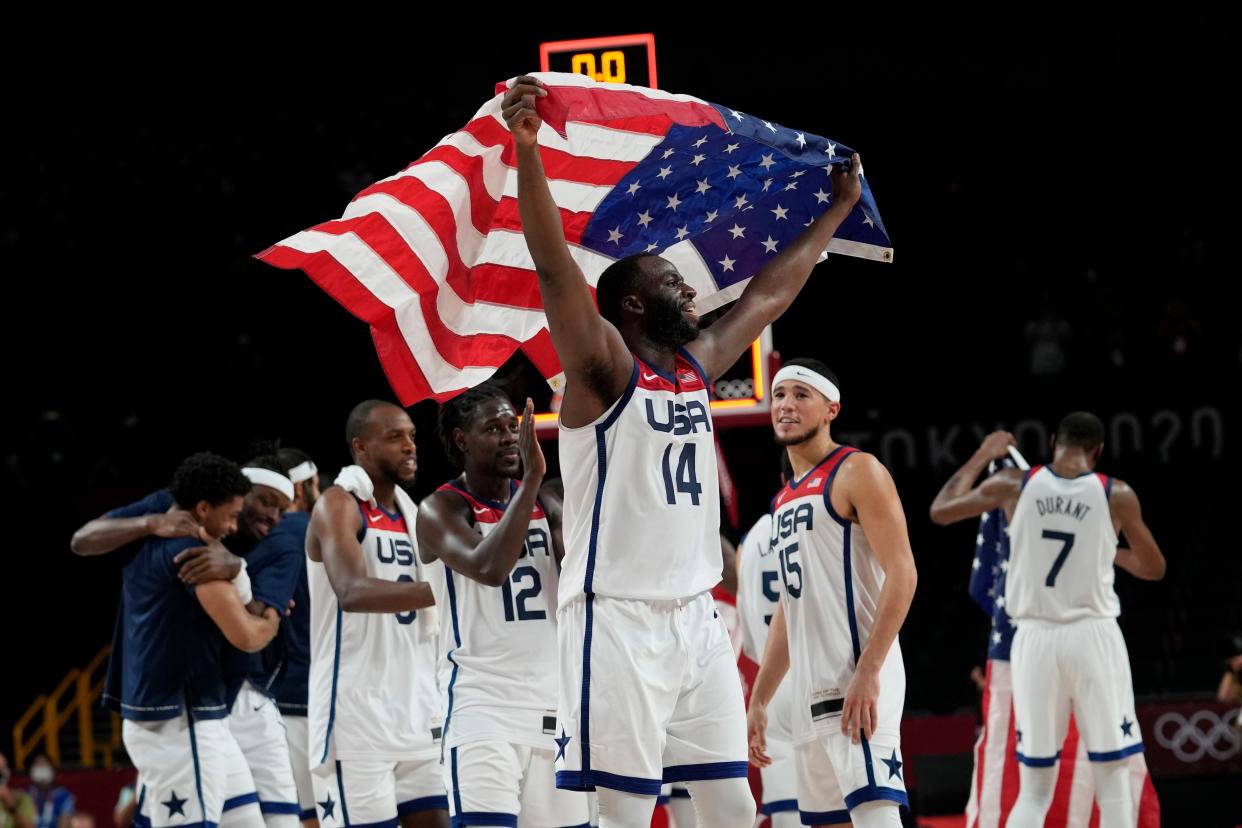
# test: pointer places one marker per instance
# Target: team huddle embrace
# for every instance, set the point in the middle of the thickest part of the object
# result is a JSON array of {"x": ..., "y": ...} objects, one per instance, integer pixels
[{"x": 520, "y": 651}]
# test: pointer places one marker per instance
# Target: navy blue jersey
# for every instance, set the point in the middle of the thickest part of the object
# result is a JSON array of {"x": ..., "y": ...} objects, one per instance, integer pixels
[
  {"x": 166, "y": 648},
  {"x": 277, "y": 567}
]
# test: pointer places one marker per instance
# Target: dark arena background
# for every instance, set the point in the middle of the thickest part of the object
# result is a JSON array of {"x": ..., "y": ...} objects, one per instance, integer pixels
[{"x": 1057, "y": 186}]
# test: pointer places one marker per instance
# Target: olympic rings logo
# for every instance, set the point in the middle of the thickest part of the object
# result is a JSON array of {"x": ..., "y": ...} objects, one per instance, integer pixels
[{"x": 1205, "y": 733}]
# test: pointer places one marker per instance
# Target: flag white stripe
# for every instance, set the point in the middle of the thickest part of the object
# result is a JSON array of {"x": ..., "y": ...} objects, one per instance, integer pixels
[{"x": 385, "y": 284}]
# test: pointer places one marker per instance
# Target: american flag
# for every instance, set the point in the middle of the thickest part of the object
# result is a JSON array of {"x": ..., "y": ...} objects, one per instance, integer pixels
[
  {"x": 433, "y": 258},
  {"x": 994, "y": 782}
]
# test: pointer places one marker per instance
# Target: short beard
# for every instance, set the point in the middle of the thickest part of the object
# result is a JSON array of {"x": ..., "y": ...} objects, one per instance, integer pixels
[
  {"x": 798, "y": 439},
  {"x": 667, "y": 326}
]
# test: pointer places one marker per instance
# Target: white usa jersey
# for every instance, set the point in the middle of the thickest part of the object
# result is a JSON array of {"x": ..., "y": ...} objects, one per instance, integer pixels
[
  {"x": 642, "y": 505},
  {"x": 831, "y": 585},
  {"x": 372, "y": 692},
  {"x": 758, "y": 587},
  {"x": 498, "y": 644},
  {"x": 1062, "y": 546}
]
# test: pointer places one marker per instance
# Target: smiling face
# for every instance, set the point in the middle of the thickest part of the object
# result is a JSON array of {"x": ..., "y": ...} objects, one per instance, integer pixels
[
  {"x": 666, "y": 301},
  {"x": 261, "y": 512},
  {"x": 799, "y": 412}
]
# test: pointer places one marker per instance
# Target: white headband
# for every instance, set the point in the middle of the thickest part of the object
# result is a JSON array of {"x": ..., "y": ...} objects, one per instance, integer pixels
[
  {"x": 806, "y": 376},
  {"x": 267, "y": 477},
  {"x": 302, "y": 472}
]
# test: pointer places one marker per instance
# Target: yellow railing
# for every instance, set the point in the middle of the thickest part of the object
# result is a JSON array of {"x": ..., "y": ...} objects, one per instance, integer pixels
[{"x": 76, "y": 697}]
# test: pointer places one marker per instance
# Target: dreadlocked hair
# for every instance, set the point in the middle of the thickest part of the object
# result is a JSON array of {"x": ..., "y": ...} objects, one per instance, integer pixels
[{"x": 459, "y": 413}]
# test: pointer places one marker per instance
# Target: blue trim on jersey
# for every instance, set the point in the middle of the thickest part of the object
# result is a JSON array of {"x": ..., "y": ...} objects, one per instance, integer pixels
[
  {"x": 601, "y": 450},
  {"x": 340, "y": 792},
  {"x": 484, "y": 818},
  {"x": 486, "y": 501},
  {"x": 662, "y": 800},
  {"x": 336, "y": 672},
  {"x": 1108, "y": 487},
  {"x": 707, "y": 381},
  {"x": 423, "y": 803},
  {"x": 1027, "y": 475},
  {"x": 828, "y": 484},
  {"x": 453, "y": 773},
  {"x": 584, "y": 710},
  {"x": 671, "y": 378},
  {"x": 794, "y": 484},
  {"x": 877, "y": 793},
  {"x": 823, "y": 817},
  {"x": 868, "y": 762},
  {"x": 572, "y": 781},
  {"x": 850, "y": 615},
  {"x": 309, "y": 813},
  {"x": 239, "y": 801},
  {"x": 280, "y": 808},
  {"x": 1053, "y": 472},
  {"x": 1038, "y": 761},
  {"x": 678, "y": 793},
  {"x": 452, "y": 596},
  {"x": 1114, "y": 755},
  {"x": 387, "y": 823},
  {"x": 705, "y": 771},
  {"x": 617, "y": 782},
  {"x": 198, "y": 771},
  {"x": 778, "y": 807}
]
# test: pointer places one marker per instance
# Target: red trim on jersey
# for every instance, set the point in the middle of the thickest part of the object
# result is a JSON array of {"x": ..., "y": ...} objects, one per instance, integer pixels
[
  {"x": 485, "y": 512},
  {"x": 377, "y": 518},
  {"x": 686, "y": 377},
  {"x": 1029, "y": 474},
  {"x": 814, "y": 481},
  {"x": 1105, "y": 482}
]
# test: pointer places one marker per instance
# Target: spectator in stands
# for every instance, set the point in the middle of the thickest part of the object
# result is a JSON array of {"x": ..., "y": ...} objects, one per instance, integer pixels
[
  {"x": 16, "y": 809},
  {"x": 53, "y": 804}
]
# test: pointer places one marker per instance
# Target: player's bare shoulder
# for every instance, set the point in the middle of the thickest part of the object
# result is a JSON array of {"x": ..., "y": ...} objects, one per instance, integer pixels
[{"x": 860, "y": 477}]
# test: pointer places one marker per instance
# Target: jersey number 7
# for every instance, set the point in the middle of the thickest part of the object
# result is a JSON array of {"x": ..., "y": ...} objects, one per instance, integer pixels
[{"x": 1067, "y": 541}]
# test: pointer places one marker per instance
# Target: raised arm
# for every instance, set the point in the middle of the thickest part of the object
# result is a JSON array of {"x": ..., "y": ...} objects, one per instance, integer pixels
[
  {"x": 445, "y": 530},
  {"x": 590, "y": 349},
  {"x": 334, "y": 527},
  {"x": 243, "y": 630},
  {"x": 872, "y": 498},
  {"x": 773, "y": 289},
  {"x": 961, "y": 499},
  {"x": 1143, "y": 559}
]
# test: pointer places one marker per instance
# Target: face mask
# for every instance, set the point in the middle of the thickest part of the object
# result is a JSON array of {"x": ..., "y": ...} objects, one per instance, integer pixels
[{"x": 42, "y": 775}]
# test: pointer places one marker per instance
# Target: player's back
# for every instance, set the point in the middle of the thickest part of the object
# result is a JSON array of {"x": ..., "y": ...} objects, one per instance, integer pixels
[
  {"x": 372, "y": 692},
  {"x": 1063, "y": 544},
  {"x": 642, "y": 511}
]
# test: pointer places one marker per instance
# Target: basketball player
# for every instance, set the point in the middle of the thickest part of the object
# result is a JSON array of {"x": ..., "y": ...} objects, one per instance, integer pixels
[
  {"x": 649, "y": 690},
  {"x": 373, "y": 700},
  {"x": 848, "y": 576},
  {"x": 260, "y": 789},
  {"x": 1064, "y": 521},
  {"x": 165, "y": 674},
  {"x": 498, "y": 585},
  {"x": 758, "y": 583},
  {"x": 294, "y": 639}
]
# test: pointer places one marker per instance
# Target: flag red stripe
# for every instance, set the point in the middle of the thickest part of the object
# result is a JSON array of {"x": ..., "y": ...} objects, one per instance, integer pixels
[
  {"x": 457, "y": 350},
  {"x": 557, "y": 164},
  {"x": 1009, "y": 781},
  {"x": 610, "y": 106},
  {"x": 983, "y": 739}
]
